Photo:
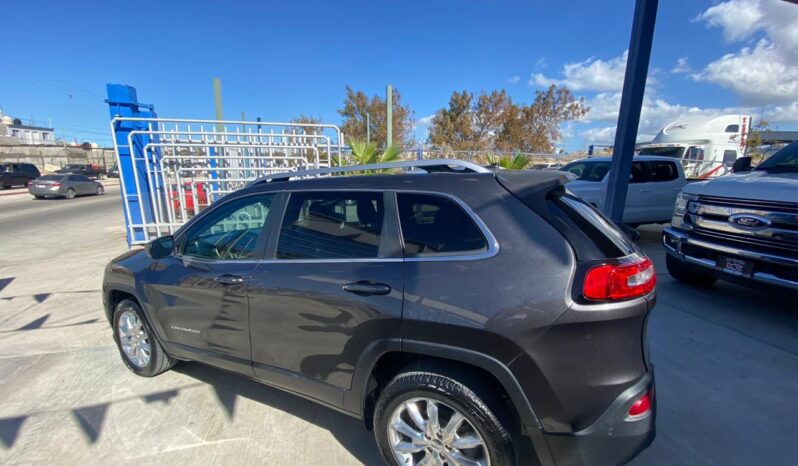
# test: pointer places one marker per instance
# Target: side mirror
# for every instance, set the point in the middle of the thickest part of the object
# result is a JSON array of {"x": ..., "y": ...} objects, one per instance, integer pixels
[
  {"x": 742, "y": 165},
  {"x": 160, "y": 247}
]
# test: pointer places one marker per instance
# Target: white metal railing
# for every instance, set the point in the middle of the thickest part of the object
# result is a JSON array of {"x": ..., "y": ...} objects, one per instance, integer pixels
[{"x": 181, "y": 166}]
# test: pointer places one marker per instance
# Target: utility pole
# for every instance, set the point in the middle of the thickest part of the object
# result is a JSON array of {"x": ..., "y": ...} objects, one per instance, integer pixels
[
  {"x": 368, "y": 128},
  {"x": 389, "y": 114},
  {"x": 217, "y": 102}
]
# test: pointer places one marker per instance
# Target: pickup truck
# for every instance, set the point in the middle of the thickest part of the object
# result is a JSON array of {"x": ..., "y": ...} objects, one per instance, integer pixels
[
  {"x": 653, "y": 186},
  {"x": 87, "y": 170},
  {"x": 741, "y": 227}
]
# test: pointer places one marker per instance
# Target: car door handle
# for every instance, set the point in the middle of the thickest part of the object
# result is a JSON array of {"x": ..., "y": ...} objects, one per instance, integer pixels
[
  {"x": 367, "y": 288},
  {"x": 229, "y": 279}
]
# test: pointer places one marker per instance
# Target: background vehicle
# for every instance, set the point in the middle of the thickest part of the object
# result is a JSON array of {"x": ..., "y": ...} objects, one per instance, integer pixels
[
  {"x": 194, "y": 198},
  {"x": 17, "y": 174},
  {"x": 741, "y": 227},
  {"x": 453, "y": 311},
  {"x": 707, "y": 146},
  {"x": 113, "y": 172},
  {"x": 64, "y": 185},
  {"x": 653, "y": 186},
  {"x": 88, "y": 170}
]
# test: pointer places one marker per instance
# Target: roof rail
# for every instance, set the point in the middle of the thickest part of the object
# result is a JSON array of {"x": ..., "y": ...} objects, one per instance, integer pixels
[{"x": 429, "y": 166}]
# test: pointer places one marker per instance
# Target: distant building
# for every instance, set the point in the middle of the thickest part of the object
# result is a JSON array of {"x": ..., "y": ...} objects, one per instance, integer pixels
[{"x": 17, "y": 133}]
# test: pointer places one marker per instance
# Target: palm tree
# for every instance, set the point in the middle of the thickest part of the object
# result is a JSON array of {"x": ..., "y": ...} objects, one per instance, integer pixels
[
  {"x": 364, "y": 153},
  {"x": 517, "y": 162}
]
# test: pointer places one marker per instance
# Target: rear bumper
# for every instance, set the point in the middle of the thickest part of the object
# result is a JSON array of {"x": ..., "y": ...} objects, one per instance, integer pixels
[
  {"x": 45, "y": 192},
  {"x": 613, "y": 439},
  {"x": 699, "y": 254}
]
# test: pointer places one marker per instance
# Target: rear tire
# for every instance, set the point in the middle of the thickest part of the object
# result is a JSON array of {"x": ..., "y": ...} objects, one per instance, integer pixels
[
  {"x": 39, "y": 197},
  {"x": 682, "y": 273},
  {"x": 459, "y": 423},
  {"x": 70, "y": 194},
  {"x": 139, "y": 347}
]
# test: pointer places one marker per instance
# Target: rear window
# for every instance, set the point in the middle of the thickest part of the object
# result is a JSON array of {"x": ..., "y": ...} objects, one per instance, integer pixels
[
  {"x": 592, "y": 235},
  {"x": 588, "y": 171},
  {"x": 436, "y": 225},
  {"x": 51, "y": 177}
]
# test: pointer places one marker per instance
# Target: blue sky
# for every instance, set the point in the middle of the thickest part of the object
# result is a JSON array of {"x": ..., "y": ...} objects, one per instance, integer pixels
[{"x": 277, "y": 60}]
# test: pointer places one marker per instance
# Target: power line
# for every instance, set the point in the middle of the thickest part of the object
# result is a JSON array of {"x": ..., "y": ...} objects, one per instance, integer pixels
[{"x": 71, "y": 91}]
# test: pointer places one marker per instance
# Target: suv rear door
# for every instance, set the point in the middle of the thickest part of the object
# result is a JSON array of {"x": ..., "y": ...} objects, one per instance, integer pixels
[{"x": 331, "y": 284}]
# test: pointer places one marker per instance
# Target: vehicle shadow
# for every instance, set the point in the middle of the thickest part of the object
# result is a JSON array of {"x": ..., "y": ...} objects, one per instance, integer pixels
[{"x": 349, "y": 432}]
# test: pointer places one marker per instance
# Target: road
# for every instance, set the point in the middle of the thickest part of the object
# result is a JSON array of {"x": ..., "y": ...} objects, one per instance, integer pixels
[{"x": 726, "y": 364}]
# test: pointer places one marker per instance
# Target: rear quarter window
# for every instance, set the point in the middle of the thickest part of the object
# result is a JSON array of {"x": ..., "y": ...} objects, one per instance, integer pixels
[{"x": 436, "y": 225}]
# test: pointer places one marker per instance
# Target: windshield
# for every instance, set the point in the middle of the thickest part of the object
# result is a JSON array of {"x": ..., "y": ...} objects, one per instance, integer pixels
[
  {"x": 783, "y": 160},
  {"x": 72, "y": 166},
  {"x": 588, "y": 171},
  {"x": 677, "y": 152}
]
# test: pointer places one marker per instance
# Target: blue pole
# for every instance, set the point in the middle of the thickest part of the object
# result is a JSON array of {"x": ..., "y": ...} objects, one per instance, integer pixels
[
  {"x": 634, "y": 85},
  {"x": 123, "y": 101}
]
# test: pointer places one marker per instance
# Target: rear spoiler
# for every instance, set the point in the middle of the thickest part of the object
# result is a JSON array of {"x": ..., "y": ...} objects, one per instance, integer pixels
[{"x": 533, "y": 186}]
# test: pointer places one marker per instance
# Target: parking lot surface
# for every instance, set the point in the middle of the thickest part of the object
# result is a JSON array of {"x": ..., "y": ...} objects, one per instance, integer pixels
[{"x": 726, "y": 362}]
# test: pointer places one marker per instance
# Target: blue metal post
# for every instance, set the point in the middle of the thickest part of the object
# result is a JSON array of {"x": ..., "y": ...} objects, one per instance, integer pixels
[
  {"x": 123, "y": 101},
  {"x": 634, "y": 85}
]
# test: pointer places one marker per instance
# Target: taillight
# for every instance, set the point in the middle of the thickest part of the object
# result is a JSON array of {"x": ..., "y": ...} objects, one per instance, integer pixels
[
  {"x": 625, "y": 280},
  {"x": 641, "y": 406},
  {"x": 56, "y": 185}
]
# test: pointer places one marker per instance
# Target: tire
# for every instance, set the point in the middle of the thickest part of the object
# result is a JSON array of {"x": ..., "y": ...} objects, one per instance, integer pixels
[
  {"x": 70, "y": 194},
  {"x": 100, "y": 191},
  {"x": 39, "y": 197},
  {"x": 450, "y": 396},
  {"x": 157, "y": 361},
  {"x": 682, "y": 273}
]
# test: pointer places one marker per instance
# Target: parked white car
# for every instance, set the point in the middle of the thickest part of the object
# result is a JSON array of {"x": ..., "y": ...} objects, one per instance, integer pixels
[{"x": 653, "y": 186}]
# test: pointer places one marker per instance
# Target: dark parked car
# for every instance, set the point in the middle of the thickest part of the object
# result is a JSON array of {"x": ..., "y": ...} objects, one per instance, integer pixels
[
  {"x": 17, "y": 174},
  {"x": 86, "y": 169},
  {"x": 464, "y": 314},
  {"x": 113, "y": 172},
  {"x": 68, "y": 186}
]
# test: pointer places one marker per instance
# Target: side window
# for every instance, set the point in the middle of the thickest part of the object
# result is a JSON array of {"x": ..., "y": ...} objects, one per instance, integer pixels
[
  {"x": 729, "y": 156},
  {"x": 332, "y": 225},
  {"x": 663, "y": 171},
  {"x": 732, "y": 128},
  {"x": 231, "y": 231},
  {"x": 638, "y": 173},
  {"x": 74, "y": 178},
  {"x": 436, "y": 225}
]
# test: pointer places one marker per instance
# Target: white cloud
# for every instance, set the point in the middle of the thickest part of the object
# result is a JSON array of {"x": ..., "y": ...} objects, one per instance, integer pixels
[
  {"x": 658, "y": 112},
  {"x": 590, "y": 75},
  {"x": 681, "y": 66},
  {"x": 766, "y": 72},
  {"x": 541, "y": 63},
  {"x": 514, "y": 80}
]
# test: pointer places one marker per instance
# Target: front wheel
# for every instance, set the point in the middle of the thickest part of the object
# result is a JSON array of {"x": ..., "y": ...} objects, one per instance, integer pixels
[
  {"x": 427, "y": 418},
  {"x": 681, "y": 272},
  {"x": 140, "y": 350},
  {"x": 100, "y": 191}
]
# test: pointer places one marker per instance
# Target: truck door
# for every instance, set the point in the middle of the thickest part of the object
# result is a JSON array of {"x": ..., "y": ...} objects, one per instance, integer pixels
[
  {"x": 636, "y": 208},
  {"x": 665, "y": 184}
]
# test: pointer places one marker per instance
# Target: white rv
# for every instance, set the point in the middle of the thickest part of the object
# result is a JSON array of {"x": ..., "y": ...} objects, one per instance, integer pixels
[{"x": 707, "y": 146}]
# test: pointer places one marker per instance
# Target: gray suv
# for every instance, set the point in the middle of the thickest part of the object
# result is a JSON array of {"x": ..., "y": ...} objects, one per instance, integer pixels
[{"x": 468, "y": 316}]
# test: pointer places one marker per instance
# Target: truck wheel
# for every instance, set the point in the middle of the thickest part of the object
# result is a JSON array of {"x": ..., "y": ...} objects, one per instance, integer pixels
[
  {"x": 139, "y": 347},
  {"x": 681, "y": 272},
  {"x": 429, "y": 418}
]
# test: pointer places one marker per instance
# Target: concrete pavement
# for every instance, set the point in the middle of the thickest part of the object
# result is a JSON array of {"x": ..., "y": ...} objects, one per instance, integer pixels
[{"x": 726, "y": 361}]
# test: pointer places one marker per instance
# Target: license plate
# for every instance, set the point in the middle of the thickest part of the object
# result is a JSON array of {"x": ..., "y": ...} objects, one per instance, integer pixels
[
  {"x": 734, "y": 266},
  {"x": 41, "y": 185}
]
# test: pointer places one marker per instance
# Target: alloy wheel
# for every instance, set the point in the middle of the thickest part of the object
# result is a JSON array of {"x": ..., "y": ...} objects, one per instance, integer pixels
[
  {"x": 134, "y": 339},
  {"x": 429, "y": 432}
]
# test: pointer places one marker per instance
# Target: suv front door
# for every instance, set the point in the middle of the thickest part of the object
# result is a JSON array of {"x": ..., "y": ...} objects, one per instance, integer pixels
[
  {"x": 331, "y": 284},
  {"x": 199, "y": 293}
]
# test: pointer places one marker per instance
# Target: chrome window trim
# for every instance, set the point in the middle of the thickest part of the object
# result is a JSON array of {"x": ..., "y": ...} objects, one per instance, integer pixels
[{"x": 493, "y": 244}]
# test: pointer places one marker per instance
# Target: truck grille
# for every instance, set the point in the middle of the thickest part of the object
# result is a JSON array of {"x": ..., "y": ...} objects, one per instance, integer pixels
[{"x": 774, "y": 228}]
